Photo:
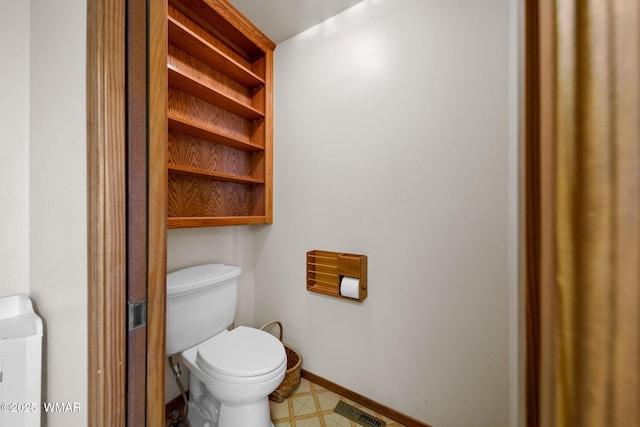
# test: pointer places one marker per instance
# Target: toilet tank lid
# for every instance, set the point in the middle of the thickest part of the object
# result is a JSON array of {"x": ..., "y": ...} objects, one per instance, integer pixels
[{"x": 198, "y": 277}]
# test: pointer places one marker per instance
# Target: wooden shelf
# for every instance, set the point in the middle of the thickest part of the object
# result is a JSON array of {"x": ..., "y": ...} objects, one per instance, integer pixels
[
  {"x": 199, "y": 48},
  {"x": 193, "y": 86},
  {"x": 325, "y": 271},
  {"x": 215, "y": 175},
  {"x": 213, "y": 135},
  {"x": 210, "y": 221},
  {"x": 219, "y": 16},
  {"x": 220, "y": 117}
]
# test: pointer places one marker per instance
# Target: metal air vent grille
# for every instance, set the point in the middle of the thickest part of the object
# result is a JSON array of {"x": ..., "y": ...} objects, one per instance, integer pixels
[{"x": 358, "y": 416}]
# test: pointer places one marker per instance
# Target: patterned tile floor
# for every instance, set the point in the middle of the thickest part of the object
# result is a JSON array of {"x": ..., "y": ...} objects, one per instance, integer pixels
[{"x": 312, "y": 406}]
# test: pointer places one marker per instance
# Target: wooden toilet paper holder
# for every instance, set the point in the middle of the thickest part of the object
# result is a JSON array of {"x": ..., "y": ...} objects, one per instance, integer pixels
[{"x": 326, "y": 269}]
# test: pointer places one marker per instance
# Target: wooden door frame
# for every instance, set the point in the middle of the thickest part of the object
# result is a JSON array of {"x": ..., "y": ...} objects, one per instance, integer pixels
[
  {"x": 532, "y": 212},
  {"x": 106, "y": 212},
  {"x": 137, "y": 162},
  {"x": 157, "y": 209},
  {"x": 106, "y": 171},
  {"x": 540, "y": 196}
]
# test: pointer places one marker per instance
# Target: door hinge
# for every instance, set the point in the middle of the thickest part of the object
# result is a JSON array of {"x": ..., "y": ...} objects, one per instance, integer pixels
[{"x": 137, "y": 314}]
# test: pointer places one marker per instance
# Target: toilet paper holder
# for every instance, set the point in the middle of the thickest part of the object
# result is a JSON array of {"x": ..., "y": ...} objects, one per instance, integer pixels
[{"x": 326, "y": 269}]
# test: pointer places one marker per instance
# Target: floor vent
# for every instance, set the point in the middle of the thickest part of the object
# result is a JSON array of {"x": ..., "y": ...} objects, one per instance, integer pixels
[{"x": 358, "y": 416}]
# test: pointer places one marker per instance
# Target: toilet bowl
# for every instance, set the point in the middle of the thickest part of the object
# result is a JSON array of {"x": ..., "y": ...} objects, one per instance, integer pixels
[
  {"x": 231, "y": 372},
  {"x": 236, "y": 369}
]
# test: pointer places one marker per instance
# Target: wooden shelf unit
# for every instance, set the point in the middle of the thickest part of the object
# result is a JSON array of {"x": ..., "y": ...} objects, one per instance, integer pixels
[
  {"x": 220, "y": 118},
  {"x": 194, "y": 87},
  {"x": 204, "y": 51},
  {"x": 326, "y": 269}
]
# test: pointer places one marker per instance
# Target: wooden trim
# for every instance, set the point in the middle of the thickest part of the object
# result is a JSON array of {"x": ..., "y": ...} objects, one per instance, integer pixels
[
  {"x": 136, "y": 204},
  {"x": 210, "y": 221},
  {"x": 268, "y": 141},
  {"x": 106, "y": 212},
  {"x": 157, "y": 210},
  {"x": 532, "y": 213},
  {"x": 106, "y": 136},
  {"x": 548, "y": 297},
  {"x": 364, "y": 401},
  {"x": 137, "y": 150},
  {"x": 625, "y": 391}
]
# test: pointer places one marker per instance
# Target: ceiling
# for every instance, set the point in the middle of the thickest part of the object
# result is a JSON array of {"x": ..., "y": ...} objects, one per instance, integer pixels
[{"x": 283, "y": 19}]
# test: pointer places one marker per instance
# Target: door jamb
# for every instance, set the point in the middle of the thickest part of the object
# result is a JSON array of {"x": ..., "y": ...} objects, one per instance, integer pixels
[
  {"x": 157, "y": 209},
  {"x": 106, "y": 170},
  {"x": 106, "y": 212}
]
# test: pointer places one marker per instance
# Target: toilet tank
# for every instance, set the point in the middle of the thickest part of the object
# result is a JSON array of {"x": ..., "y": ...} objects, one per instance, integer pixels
[{"x": 201, "y": 302}]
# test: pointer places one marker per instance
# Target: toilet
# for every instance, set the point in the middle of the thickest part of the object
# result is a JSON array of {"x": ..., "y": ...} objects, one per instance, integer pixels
[{"x": 231, "y": 372}]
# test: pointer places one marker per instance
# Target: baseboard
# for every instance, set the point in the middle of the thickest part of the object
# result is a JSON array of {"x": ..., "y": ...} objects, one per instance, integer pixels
[{"x": 363, "y": 400}]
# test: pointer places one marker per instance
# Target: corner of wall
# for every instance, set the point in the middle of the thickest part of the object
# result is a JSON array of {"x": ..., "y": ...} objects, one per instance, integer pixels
[
  {"x": 517, "y": 340},
  {"x": 14, "y": 121}
]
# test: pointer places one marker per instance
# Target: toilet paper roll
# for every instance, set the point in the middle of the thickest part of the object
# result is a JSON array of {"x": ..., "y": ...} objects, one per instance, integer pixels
[{"x": 350, "y": 287}]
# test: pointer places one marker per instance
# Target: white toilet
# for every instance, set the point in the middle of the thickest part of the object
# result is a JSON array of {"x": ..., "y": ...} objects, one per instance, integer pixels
[{"x": 231, "y": 373}]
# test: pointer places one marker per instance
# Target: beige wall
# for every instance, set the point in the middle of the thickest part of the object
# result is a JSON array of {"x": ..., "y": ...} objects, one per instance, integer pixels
[
  {"x": 229, "y": 245},
  {"x": 391, "y": 136},
  {"x": 43, "y": 184},
  {"x": 58, "y": 203},
  {"x": 14, "y": 146}
]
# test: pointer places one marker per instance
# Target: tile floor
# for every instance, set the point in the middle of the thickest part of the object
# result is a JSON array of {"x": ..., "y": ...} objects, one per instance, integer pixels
[{"x": 312, "y": 406}]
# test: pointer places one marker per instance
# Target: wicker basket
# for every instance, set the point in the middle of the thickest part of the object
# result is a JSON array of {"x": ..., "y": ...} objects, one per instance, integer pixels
[{"x": 292, "y": 377}]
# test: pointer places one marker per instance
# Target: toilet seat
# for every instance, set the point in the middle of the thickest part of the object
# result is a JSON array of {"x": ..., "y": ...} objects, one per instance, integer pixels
[{"x": 242, "y": 355}]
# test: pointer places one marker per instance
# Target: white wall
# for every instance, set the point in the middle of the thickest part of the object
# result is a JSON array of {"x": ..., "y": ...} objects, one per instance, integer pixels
[
  {"x": 14, "y": 146},
  {"x": 58, "y": 202},
  {"x": 391, "y": 140},
  {"x": 230, "y": 245}
]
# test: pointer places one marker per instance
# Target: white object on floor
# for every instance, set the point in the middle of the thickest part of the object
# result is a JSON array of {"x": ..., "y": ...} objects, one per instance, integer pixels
[{"x": 20, "y": 362}]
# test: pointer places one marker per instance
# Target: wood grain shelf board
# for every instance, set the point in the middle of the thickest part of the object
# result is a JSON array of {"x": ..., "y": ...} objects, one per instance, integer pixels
[
  {"x": 214, "y": 175},
  {"x": 185, "y": 39},
  {"x": 190, "y": 222},
  {"x": 223, "y": 18},
  {"x": 203, "y": 132},
  {"x": 322, "y": 272},
  {"x": 196, "y": 88}
]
